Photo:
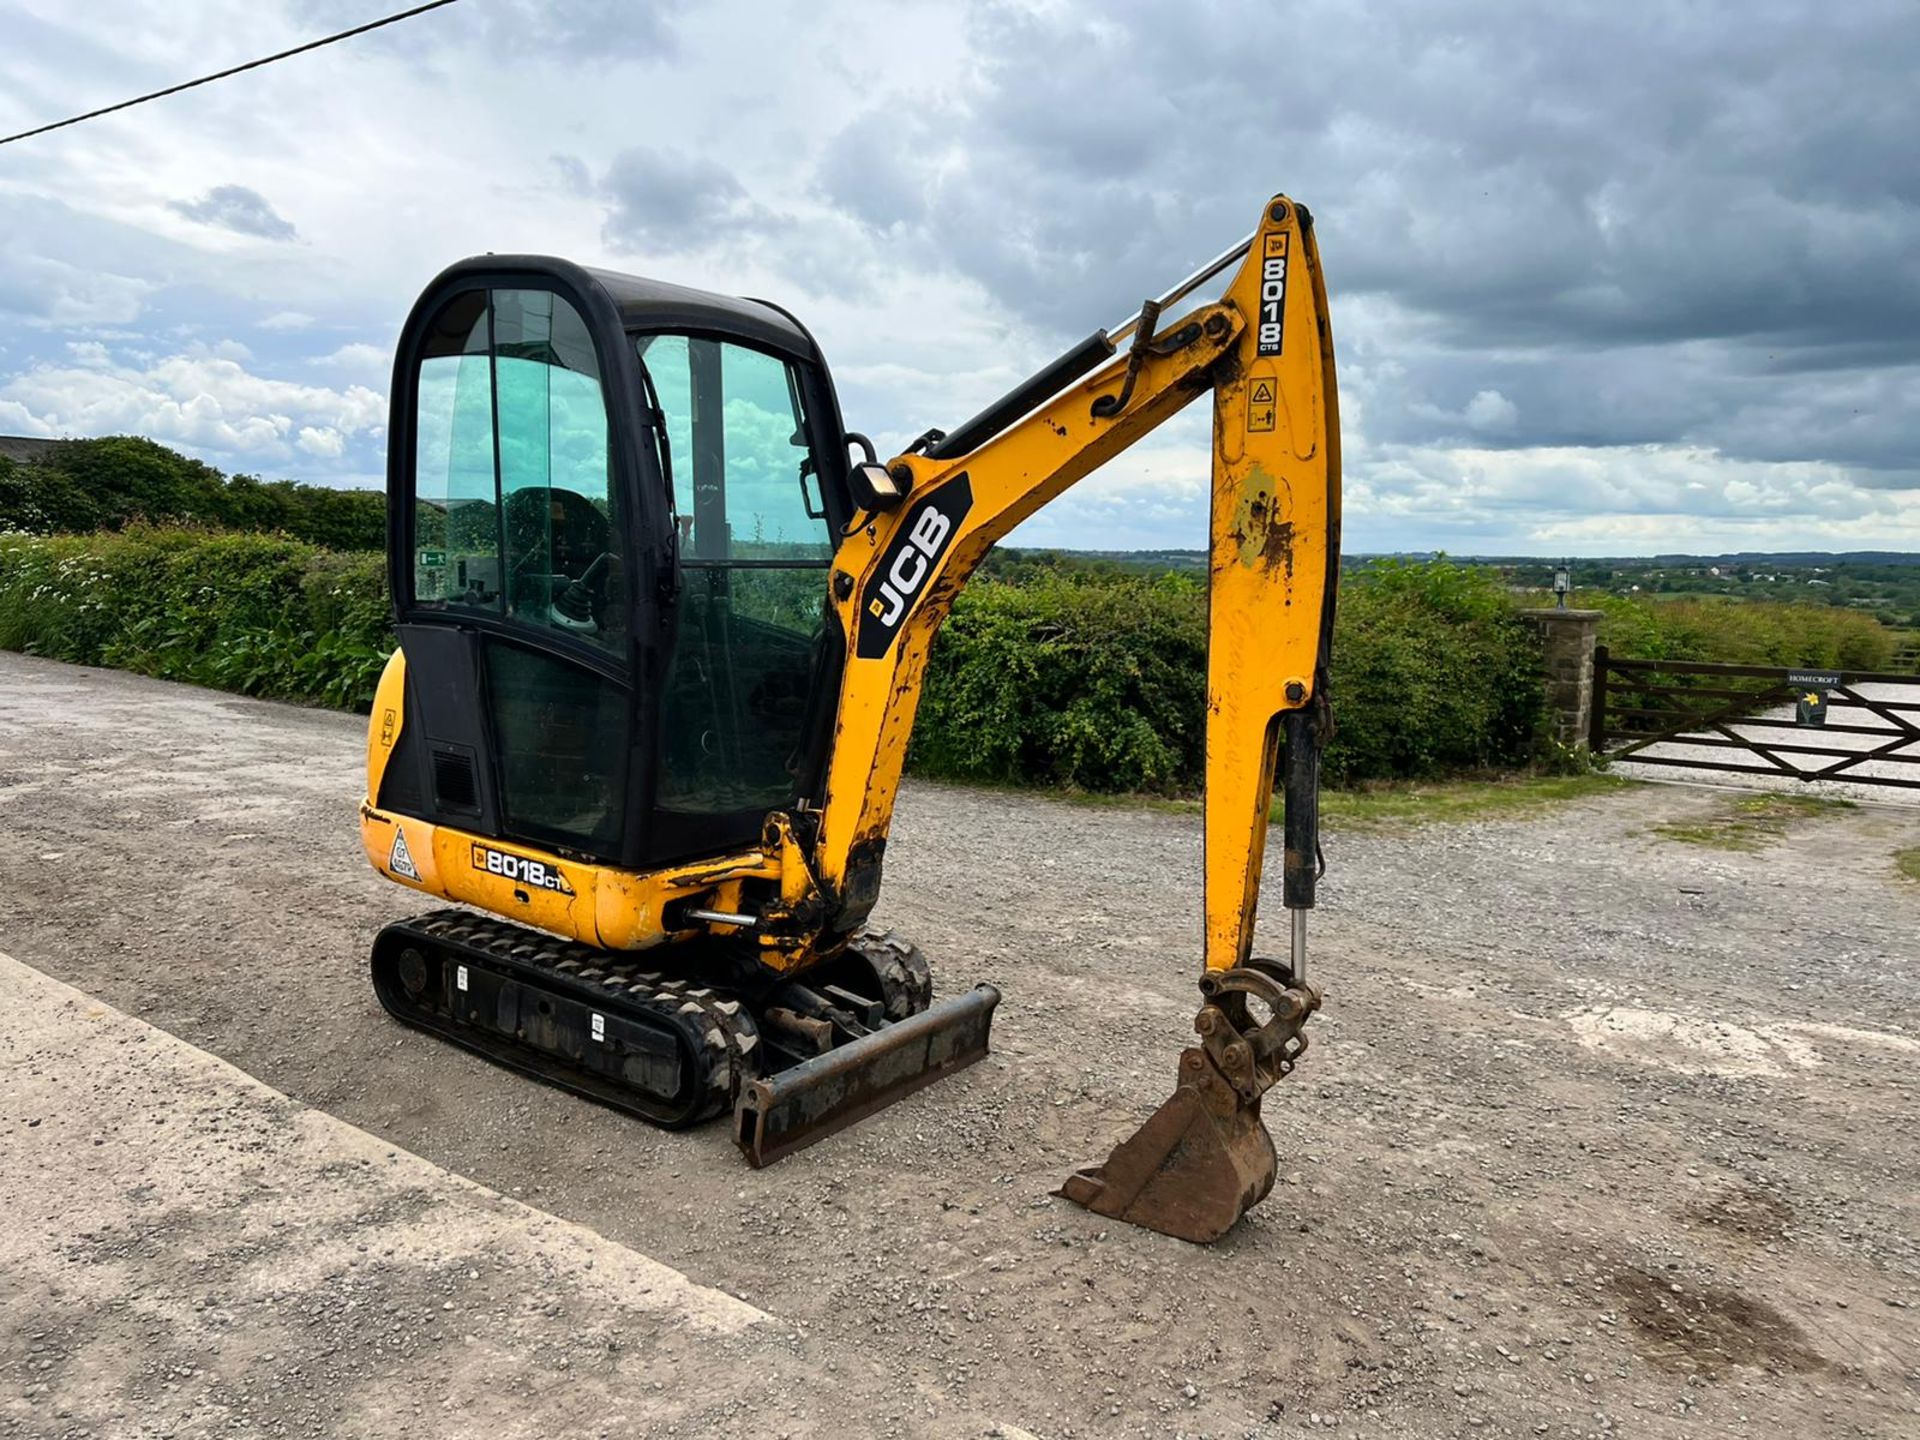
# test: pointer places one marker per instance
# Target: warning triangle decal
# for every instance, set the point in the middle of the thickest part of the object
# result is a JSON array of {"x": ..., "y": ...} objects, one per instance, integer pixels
[
  {"x": 1263, "y": 393},
  {"x": 400, "y": 861}
]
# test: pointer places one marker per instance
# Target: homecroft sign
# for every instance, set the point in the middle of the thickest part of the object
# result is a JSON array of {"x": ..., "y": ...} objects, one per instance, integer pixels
[{"x": 1810, "y": 706}]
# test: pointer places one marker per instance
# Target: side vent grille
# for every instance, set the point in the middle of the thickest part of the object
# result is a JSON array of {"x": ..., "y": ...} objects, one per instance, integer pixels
[{"x": 454, "y": 787}]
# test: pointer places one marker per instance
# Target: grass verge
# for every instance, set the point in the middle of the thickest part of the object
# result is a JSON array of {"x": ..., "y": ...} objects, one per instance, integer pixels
[
  {"x": 1751, "y": 822},
  {"x": 1404, "y": 804},
  {"x": 1907, "y": 862},
  {"x": 1401, "y": 804}
]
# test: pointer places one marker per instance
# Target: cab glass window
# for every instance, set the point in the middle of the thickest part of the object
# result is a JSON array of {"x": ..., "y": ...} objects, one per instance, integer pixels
[
  {"x": 557, "y": 723},
  {"x": 557, "y": 500},
  {"x": 515, "y": 510},
  {"x": 743, "y": 481},
  {"x": 754, "y": 544},
  {"x": 456, "y": 532}
]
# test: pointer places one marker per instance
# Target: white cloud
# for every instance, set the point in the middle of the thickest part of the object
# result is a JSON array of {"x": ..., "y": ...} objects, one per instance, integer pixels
[
  {"x": 16, "y": 419},
  {"x": 47, "y": 293},
  {"x": 327, "y": 442},
  {"x": 201, "y": 401},
  {"x": 1490, "y": 412},
  {"x": 287, "y": 320},
  {"x": 1613, "y": 500},
  {"x": 359, "y": 357}
]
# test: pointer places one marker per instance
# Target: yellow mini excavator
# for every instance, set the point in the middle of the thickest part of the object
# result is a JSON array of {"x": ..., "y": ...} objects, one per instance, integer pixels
[{"x": 662, "y": 635}]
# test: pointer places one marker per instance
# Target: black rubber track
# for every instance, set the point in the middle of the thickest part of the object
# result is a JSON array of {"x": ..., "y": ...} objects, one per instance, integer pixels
[{"x": 672, "y": 1052}]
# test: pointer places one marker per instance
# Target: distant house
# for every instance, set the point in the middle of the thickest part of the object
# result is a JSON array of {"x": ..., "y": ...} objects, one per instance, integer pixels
[{"x": 24, "y": 449}]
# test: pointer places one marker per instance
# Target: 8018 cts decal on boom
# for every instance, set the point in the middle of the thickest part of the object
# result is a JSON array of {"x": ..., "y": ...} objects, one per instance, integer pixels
[
  {"x": 1273, "y": 295},
  {"x": 520, "y": 869}
]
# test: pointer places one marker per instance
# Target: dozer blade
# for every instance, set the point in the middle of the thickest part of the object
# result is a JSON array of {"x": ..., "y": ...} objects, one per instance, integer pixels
[
  {"x": 1201, "y": 1161},
  {"x": 793, "y": 1108}
]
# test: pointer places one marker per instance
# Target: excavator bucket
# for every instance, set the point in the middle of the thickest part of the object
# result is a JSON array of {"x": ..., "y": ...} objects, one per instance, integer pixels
[
  {"x": 1192, "y": 1170},
  {"x": 1204, "y": 1159}
]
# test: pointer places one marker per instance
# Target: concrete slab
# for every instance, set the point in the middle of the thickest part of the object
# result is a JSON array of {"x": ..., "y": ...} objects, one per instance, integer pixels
[{"x": 186, "y": 1251}]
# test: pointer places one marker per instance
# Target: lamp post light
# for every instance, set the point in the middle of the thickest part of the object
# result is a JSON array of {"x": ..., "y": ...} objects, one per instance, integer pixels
[{"x": 1563, "y": 582}]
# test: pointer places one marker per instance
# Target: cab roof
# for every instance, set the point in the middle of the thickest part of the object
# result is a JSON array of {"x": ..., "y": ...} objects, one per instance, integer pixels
[{"x": 646, "y": 304}]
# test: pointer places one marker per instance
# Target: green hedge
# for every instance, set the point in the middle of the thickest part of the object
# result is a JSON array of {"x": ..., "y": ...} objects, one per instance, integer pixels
[
  {"x": 1090, "y": 679},
  {"x": 259, "y": 614},
  {"x": 1750, "y": 632},
  {"x": 85, "y": 485},
  {"x": 1099, "y": 680},
  {"x": 1433, "y": 671},
  {"x": 1094, "y": 681}
]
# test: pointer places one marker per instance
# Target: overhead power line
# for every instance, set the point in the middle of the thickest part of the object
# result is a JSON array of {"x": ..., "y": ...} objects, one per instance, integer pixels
[{"x": 223, "y": 74}]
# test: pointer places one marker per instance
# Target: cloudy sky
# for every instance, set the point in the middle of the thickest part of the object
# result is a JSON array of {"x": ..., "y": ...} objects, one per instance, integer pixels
[{"x": 1608, "y": 278}]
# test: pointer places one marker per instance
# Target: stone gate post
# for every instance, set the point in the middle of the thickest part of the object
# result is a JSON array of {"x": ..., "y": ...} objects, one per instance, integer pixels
[{"x": 1567, "y": 638}]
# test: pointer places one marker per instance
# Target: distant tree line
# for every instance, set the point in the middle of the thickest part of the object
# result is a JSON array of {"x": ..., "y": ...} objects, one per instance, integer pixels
[{"x": 80, "y": 486}]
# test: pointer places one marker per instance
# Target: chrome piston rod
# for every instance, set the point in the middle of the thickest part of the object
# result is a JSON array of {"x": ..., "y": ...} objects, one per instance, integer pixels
[
  {"x": 1185, "y": 288},
  {"x": 724, "y": 917}
]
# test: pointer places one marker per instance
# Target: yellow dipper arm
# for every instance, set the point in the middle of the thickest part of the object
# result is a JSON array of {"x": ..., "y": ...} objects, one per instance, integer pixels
[
  {"x": 1272, "y": 572},
  {"x": 1265, "y": 350}
]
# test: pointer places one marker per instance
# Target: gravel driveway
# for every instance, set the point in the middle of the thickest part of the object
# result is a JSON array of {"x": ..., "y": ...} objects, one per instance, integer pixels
[{"x": 1599, "y": 1134}]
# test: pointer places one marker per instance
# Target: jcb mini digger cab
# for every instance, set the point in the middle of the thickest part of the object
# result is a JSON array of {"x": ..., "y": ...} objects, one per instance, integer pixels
[{"x": 661, "y": 640}]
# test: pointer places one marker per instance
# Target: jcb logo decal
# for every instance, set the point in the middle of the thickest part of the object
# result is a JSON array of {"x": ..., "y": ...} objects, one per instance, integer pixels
[
  {"x": 909, "y": 568},
  {"x": 1273, "y": 294},
  {"x": 907, "y": 564}
]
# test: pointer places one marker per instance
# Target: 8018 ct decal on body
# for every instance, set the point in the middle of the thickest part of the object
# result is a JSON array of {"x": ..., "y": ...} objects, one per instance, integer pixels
[{"x": 520, "y": 869}]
